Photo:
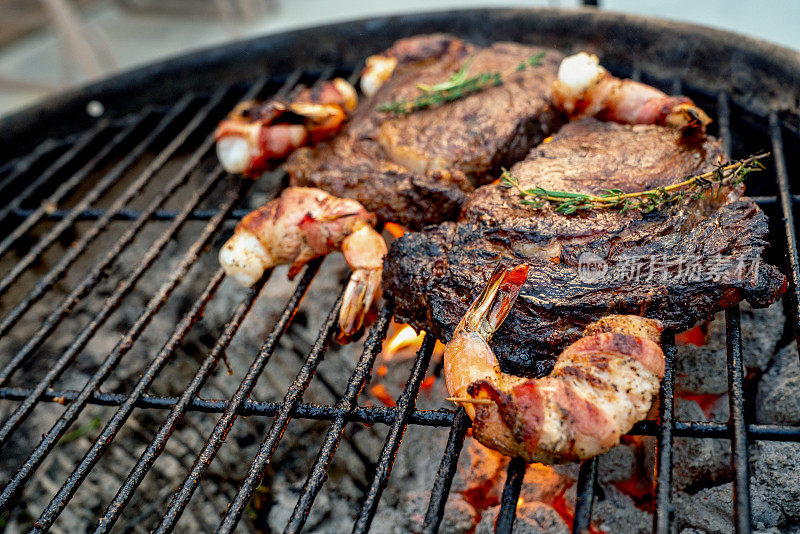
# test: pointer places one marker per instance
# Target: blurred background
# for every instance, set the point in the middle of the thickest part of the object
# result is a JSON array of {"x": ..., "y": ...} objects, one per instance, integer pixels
[{"x": 49, "y": 45}]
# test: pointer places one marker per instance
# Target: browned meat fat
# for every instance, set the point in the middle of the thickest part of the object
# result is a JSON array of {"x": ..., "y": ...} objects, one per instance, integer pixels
[
  {"x": 417, "y": 169},
  {"x": 633, "y": 258}
]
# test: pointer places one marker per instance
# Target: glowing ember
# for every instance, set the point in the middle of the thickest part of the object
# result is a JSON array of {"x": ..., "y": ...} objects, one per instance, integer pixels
[
  {"x": 640, "y": 489},
  {"x": 706, "y": 401},
  {"x": 520, "y": 502},
  {"x": 395, "y": 229},
  {"x": 694, "y": 336},
  {"x": 428, "y": 383},
  {"x": 380, "y": 392},
  {"x": 404, "y": 338},
  {"x": 547, "y": 140},
  {"x": 382, "y": 370},
  {"x": 565, "y": 510}
]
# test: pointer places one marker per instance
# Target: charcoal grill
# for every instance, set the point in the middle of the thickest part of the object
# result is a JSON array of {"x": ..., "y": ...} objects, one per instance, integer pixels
[{"x": 160, "y": 117}]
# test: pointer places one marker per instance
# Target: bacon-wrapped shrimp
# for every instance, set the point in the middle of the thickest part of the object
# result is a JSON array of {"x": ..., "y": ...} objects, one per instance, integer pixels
[
  {"x": 600, "y": 386},
  {"x": 379, "y": 67},
  {"x": 585, "y": 89},
  {"x": 300, "y": 225},
  {"x": 256, "y": 135}
]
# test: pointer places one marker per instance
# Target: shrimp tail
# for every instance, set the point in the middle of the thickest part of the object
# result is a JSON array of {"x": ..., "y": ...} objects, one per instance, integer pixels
[
  {"x": 362, "y": 290},
  {"x": 494, "y": 303},
  {"x": 363, "y": 250},
  {"x": 468, "y": 357},
  {"x": 689, "y": 118}
]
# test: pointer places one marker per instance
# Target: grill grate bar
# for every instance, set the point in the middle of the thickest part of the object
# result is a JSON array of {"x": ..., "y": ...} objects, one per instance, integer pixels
[
  {"x": 23, "y": 164},
  {"x": 70, "y": 184},
  {"x": 739, "y": 457},
  {"x": 406, "y": 404},
  {"x": 666, "y": 418},
  {"x": 292, "y": 398},
  {"x": 380, "y": 415},
  {"x": 92, "y": 456},
  {"x": 510, "y": 497},
  {"x": 724, "y": 122},
  {"x": 69, "y": 416},
  {"x": 232, "y": 411},
  {"x": 156, "y": 446},
  {"x": 346, "y": 409},
  {"x": 587, "y": 478},
  {"x": 666, "y": 426},
  {"x": 120, "y": 291},
  {"x": 6, "y": 168},
  {"x": 784, "y": 192},
  {"x": 691, "y": 429},
  {"x": 770, "y": 200},
  {"x": 446, "y": 472},
  {"x": 225, "y": 423},
  {"x": 319, "y": 412},
  {"x": 159, "y": 215},
  {"x": 91, "y": 196},
  {"x": 17, "y": 168},
  {"x": 319, "y": 471},
  {"x": 733, "y": 343},
  {"x": 94, "y": 276}
]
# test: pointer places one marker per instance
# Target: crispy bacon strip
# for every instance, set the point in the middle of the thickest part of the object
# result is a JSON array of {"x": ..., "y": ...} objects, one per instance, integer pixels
[
  {"x": 379, "y": 67},
  {"x": 255, "y": 136},
  {"x": 585, "y": 89},
  {"x": 303, "y": 224},
  {"x": 600, "y": 386}
]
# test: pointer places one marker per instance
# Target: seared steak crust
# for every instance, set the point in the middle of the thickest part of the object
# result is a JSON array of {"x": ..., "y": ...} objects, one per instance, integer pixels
[
  {"x": 590, "y": 156},
  {"x": 418, "y": 169},
  {"x": 434, "y": 275}
]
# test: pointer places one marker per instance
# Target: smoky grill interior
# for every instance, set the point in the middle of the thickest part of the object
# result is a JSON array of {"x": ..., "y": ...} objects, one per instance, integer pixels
[{"x": 139, "y": 383}]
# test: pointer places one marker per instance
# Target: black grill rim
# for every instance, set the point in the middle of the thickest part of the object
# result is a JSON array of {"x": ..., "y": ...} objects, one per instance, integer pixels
[
  {"x": 706, "y": 57},
  {"x": 778, "y": 121}
]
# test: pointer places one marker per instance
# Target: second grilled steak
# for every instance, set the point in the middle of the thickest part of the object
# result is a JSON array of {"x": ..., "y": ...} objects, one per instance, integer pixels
[
  {"x": 581, "y": 264},
  {"x": 417, "y": 169}
]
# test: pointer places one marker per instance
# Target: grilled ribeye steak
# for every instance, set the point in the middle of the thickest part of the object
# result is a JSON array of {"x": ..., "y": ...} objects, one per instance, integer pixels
[
  {"x": 417, "y": 169},
  {"x": 678, "y": 265}
]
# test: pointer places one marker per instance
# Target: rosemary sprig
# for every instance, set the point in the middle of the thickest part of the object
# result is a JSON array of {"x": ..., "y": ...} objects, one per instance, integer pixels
[
  {"x": 457, "y": 86},
  {"x": 451, "y": 83},
  {"x": 693, "y": 187}
]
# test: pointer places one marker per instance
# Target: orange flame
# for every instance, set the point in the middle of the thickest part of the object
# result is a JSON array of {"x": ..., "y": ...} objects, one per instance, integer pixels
[
  {"x": 520, "y": 502},
  {"x": 395, "y": 229},
  {"x": 405, "y": 337},
  {"x": 547, "y": 140}
]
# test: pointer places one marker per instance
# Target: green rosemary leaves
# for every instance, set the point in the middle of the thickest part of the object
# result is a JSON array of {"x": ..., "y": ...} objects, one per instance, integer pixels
[
  {"x": 457, "y": 86},
  {"x": 693, "y": 187}
]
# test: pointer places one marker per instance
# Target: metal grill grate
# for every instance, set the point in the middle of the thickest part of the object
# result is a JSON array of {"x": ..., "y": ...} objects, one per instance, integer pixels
[{"x": 105, "y": 159}]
